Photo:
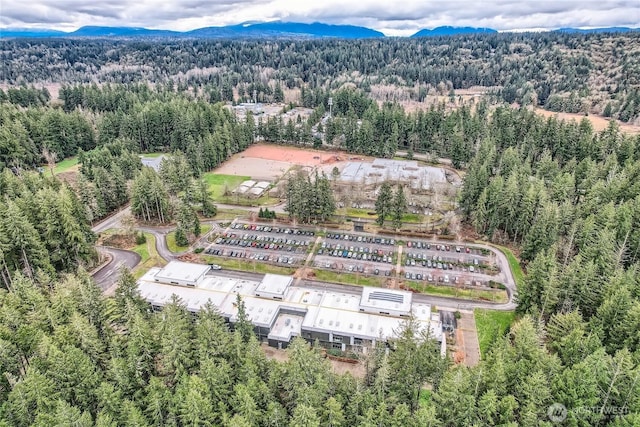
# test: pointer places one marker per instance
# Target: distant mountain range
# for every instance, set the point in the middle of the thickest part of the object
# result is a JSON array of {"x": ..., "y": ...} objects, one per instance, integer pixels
[
  {"x": 452, "y": 31},
  {"x": 263, "y": 30},
  {"x": 248, "y": 30}
]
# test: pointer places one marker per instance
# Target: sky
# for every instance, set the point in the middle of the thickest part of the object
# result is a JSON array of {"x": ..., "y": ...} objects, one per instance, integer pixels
[{"x": 392, "y": 17}]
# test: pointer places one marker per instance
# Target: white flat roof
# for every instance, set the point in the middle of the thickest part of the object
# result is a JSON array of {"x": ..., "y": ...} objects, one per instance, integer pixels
[
  {"x": 385, "y": 299},
  {"x": 310, "y": 309},
  {"x": 286, "y": 326},
  {"x": 380, "y": 170},
  {"x": 185, "y": 271},
  {"x": 256, "y": 191},
  {"x": 274, "y": 284}
]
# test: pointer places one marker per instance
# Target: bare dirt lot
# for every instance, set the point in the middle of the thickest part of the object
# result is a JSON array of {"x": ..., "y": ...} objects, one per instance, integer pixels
[
  {"x": 599, "y": 123},
  {"x": 271, "y": 162},
  {"x": 357, "y": 370},
  {"x": 467, "y": 348},
  {"x": 256, "y": 168}
]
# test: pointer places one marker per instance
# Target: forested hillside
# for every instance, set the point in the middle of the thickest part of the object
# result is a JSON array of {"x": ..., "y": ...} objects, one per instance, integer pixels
[
  {"x": 565, "y": 197},
  {"x": 570, "y": 72}
]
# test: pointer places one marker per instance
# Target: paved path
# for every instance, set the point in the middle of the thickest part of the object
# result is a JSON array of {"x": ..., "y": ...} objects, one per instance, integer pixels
[{"x": 108, "y": 274}]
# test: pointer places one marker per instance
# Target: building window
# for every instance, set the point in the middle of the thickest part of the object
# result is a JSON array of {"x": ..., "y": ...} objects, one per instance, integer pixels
[
  {"x": 337, "y": 339},
  {"x": 357, "y": 341}
]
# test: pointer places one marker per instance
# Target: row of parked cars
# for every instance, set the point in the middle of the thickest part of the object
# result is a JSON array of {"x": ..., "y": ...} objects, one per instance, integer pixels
[
  {"x": 355, "y": 268},
  {"x": 282, "y": 245},
  {"x": 436, "y": 261},
  {"x": 376, "y": 255},
  {"x": 430, "y": 277},
  {"x": 222, "y": 252},
  {"x": 438, "y": 247},
  {"x": 269, "y": 229},
  {"x": 273, "y": 258},
  {"x": 254, "y": 239},
  {"x": 363, "y": 239}
]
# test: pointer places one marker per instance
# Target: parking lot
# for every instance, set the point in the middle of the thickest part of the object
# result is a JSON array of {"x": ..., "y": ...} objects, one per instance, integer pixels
[
  {"x": 279, "y": 245},
  {"x": 451, "y": 264},
  {"x": 357, "y": 253},
  {"x": 360, "y": 253}
]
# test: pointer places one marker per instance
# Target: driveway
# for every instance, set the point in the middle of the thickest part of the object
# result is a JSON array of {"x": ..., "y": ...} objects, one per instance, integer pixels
[{"x": 109, "y": 274}]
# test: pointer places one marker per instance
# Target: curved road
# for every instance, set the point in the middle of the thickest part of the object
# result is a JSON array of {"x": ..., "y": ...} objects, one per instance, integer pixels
[{"x": 107, "y": 275}]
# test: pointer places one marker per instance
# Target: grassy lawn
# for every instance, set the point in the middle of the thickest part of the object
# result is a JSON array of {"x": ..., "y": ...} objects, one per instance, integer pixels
[
  {"x": 361, "y": 213},
  {"x": 498, "y": 296},
  {"x": 153, "y": 155},
  {"x": 66, "y": 165},
  {"x": 514, "y": 264},
  {"x": 149, "y": 254},
  {"x": 230, "y": 213},
  {"x": 411, "y": 217},
  {"x": 491, "y": 325},
  {"x": 218, "y": 182},
  {"x": 348, "y": 278},
  {"x": 171, "y": 239},
  {"x": 365, "y": 213},
  {"x": 242, "y": 264}
]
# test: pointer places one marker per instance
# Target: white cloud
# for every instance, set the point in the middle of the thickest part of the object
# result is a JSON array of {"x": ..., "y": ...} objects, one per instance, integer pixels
[{"x": 392, "y": 18}]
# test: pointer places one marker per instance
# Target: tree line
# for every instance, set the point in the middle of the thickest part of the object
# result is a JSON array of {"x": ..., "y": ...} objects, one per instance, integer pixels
[
  {"x": 74, "y": 357},
  {"x": 43, "y": 229},
  {"x": 586, "y": 73}
]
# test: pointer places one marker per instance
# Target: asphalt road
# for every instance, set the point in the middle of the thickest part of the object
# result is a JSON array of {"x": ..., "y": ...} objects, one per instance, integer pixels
[{"x": 108, "y": 275}]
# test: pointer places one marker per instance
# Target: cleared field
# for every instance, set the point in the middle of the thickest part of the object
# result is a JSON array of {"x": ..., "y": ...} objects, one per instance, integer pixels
[
  {"x": 491, "y": 325},
  {"x": 599, "y": 123},
  {"x": 271, "y": 162},
  {"x": 66, "y": 165},
  {"x": 218, "y": 183}
]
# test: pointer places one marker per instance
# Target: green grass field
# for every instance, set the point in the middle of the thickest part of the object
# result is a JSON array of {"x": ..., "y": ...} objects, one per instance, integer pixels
[
  {"x": 360, "y": 213},
  {"x": 171, "y": 239},
  {"x": 248, "y": 265},
  {"x": 514, "y": 264},
  {"x": 218, "y": 182},
  {"x": 348, "y": 278},
  {"x": 491, "y": 325},
  {"x": 153, "y": 155},
  {"x": 498, "y": 296},
  {"x": 65, "y": 165}
]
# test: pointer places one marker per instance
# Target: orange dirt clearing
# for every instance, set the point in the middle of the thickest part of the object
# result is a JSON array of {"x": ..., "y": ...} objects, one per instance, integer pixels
[{"x": 297, "y": 156}]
